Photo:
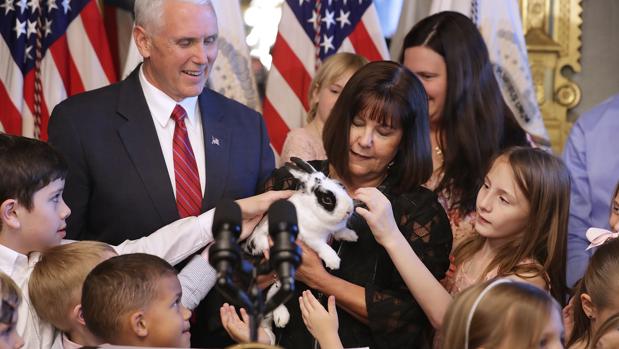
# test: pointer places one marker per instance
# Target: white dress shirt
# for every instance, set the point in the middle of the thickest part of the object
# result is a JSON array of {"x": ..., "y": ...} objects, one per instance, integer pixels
[
  {"x": 161, "y": 106},
  {"x": 174, "y": 242}
]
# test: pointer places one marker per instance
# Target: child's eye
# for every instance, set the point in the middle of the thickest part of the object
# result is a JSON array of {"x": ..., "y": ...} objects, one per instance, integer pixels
[
  {"x": 335, "y": 91},
  {"x": 503, "y": 200}
]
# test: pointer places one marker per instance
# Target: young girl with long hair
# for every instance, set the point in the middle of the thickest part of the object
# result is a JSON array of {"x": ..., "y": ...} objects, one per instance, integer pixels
[{"x": 522, "y": 211}]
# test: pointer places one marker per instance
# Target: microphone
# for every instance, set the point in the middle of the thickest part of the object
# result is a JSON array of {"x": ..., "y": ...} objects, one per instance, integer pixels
[
  {"x": 285, "y": 254},
  {"x": 225, "y": 253}
]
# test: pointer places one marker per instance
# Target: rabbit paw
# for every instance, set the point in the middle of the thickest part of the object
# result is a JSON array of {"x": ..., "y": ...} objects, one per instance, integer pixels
[
  {"x": 281, "y": 316},
  {"x": 346, "y": 235},
  {"x": 331, "y": 259}
]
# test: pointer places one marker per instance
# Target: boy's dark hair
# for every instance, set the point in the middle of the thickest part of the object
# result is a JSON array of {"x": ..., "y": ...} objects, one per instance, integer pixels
[
  {"x": 26, "y": 166},
  {"x": 119, "y": 286}
]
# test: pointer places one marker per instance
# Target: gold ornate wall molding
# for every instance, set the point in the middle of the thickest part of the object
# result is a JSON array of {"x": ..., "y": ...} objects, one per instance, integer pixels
[{"x": 552, "y": 33}]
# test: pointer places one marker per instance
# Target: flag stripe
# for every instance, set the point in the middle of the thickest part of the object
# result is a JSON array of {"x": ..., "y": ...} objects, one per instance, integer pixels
[
  {"x": 91, "y": 18},
  {"x": 10, "y": 116},
  {"x": 66, "y": 67},
  {"x": 53, "y": 85},
  {"x": 10, "y": 76},
  {"x": 291, "y": 68},
  {"x": 359, "y": 39},
  {"x": 277, "y": 127},
  {"x": 91, "y": 71},
  {"x": 298, "y": 41}
]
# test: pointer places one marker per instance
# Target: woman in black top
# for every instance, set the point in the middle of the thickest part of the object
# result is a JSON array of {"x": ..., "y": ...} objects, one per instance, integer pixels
[{"x": 377, "y": 136}]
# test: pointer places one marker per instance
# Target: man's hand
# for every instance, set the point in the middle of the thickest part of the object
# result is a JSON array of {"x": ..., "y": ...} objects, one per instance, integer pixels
[{"x": 254, "y": 207}]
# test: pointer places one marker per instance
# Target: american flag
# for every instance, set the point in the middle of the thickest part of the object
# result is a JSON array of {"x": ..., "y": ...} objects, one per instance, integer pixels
[
  {"x": 50, "y": 49},
  {"x": 309, "y": 32}
]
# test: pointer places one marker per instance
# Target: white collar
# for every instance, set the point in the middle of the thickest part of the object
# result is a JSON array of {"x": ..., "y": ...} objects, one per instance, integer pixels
[
  {"x": 159, "y": 100},
  {"x": 10, "y": 259}
]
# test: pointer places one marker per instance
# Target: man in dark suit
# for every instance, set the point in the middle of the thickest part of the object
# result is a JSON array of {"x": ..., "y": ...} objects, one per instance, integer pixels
[
  {"x": 123, "y": 183},
  {"x": 121, "y": 140}
]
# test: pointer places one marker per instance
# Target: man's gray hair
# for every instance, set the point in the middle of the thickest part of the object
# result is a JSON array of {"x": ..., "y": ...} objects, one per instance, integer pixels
[{"x": 148, "y": 13}]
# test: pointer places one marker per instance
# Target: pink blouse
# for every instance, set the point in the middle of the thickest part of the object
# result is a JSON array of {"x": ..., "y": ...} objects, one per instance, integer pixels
[{"x": 304, "y": 143}]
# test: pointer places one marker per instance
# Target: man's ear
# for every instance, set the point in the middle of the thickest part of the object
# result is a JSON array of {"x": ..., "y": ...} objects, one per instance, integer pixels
[
  {"x": 138, "y": 324},
  {"x": 142, "y": 41},
  {"x": 77, "y": 315},
  {"x": 8, "y": 213},
  {"x": 588, "y": 307}
]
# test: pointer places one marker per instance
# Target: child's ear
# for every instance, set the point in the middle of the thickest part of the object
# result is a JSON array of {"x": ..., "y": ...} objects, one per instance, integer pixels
[
  {"x": 8, "y": 213},
  {"x": 588, "y": 307},
  {"x": 138, "y": 324},
  {"x": 78, "y": 315}
]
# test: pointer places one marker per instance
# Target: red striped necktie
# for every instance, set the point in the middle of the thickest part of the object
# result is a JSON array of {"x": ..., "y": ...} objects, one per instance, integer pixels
[{"x": 188, "y": 192}]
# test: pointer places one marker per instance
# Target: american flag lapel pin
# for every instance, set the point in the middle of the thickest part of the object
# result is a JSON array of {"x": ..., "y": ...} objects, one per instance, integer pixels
[{"x": 215, "y": 141}]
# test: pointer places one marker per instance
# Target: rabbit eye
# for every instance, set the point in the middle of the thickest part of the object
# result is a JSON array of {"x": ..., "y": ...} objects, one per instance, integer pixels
[{"x": 326, "y": 200}]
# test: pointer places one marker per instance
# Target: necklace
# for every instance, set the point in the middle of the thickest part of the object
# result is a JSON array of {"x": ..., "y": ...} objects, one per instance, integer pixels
[{"x": 438, "y": 152}]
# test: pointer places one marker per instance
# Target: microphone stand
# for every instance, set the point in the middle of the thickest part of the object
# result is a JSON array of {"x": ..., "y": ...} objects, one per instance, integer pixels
[{"x": 285, "y": 257}]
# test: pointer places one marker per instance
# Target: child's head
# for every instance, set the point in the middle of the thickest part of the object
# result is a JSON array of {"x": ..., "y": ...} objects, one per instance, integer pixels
[
  {"x": 607, "y": 336},
  {"x": 523, "y": 206},
  {"x": 55, "y": 286},
  {"x": 32, "y": 211},
  {"x": 135, "y": 299},
  {"x": 10, "y": 298},
  {"x": 613, "y": 221},
  {"x": 329, "y": 81},
  {"x": 503, "y": 314},
  {"x": 596, "y": 298}
]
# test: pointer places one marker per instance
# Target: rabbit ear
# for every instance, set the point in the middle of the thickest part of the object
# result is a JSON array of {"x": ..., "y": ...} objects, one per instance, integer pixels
[
  {"x": 297, "y": 173},
  {"x": 303, "y": 165}
]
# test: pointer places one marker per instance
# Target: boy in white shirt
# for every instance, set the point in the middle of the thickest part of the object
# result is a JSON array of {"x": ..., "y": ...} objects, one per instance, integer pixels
[{"x": 33, "y": 214}]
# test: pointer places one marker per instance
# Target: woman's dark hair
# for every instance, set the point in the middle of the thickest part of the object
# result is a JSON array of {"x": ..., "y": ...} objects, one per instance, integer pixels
[
  {"x": 476, "y": 122},
  {"x": 388, "y": 93}
]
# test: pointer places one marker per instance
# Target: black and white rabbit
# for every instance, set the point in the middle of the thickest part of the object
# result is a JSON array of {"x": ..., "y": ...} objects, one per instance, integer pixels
[{"x": 323, "y": 209}]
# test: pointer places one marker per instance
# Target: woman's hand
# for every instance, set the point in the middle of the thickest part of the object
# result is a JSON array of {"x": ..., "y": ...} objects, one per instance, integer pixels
[
  {"x": 239, "y": 329},
  {"x": 378, "y": 215},
  {"x": 254, "y": 207},
  {"x": 311, "y": 271},
  {"x": 321, "y": 323}
]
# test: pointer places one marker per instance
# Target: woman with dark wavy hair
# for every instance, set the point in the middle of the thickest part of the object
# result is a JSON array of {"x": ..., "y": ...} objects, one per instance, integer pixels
[
  {"x": 469, "y": 120},
  {"x": 376, "y": 138}
]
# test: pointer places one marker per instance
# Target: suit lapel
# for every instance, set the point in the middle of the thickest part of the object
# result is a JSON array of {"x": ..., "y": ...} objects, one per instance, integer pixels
[
  {"x": 139, "y": 137},
  {"x": 217, "y": 147}
]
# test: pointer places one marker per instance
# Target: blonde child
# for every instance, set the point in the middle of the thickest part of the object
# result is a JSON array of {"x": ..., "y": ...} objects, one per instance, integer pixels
[
  {"x": 10, "y": 299},
  {"x": 503, "y": 314},
  {"x": 55, "y": 289},
  {"x": 333, "y": 74},
  {"x": 522, "y": 211}
]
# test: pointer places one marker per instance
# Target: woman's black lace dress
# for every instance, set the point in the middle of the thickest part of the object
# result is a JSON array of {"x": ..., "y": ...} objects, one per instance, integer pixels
[{"x": 395, "y": 318}]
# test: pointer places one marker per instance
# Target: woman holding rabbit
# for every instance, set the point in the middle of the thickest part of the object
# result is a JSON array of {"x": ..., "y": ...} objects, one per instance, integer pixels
[{"x": 377, "y": 136}]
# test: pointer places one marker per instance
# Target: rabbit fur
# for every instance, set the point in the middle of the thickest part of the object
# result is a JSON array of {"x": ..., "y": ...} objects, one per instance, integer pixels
[{"x": 323, "y": 209}]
